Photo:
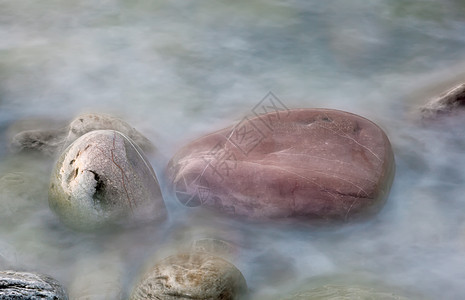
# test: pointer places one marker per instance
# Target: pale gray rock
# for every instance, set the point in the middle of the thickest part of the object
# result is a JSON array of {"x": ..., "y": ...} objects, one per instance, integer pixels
[
  {"x": 450, "y": 102},
  {"x": 191, "y": 276},
  {"x": 51, "y": 141},
  {"x": 104, "y": 178},
  {"x": 89, "y": 122},
  {"x": 29, "y": 286}
]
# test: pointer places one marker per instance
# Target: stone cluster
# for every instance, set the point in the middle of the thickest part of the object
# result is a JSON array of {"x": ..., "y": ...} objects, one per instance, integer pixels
[{"x": 304, "y": 164}]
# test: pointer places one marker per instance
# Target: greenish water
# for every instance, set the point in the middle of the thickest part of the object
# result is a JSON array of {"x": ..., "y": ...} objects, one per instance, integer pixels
[{"x": 175, "y": 70}]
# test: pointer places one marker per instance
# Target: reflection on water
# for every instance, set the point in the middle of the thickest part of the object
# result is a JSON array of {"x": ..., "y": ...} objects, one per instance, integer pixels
[{"x": 177, "y": 70}]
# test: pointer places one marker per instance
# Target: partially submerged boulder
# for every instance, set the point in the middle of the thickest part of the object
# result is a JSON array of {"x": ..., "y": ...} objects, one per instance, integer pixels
[
  {"x": 310, "y": 163},
  {"x": 104, "y": 178},
  {"x": 344, "y": 292},
  {"x": 196, "y": 275},
  {"x": 22, "y": 285},
  {"x": 89, "y": 122},
  {"x": 51, "y": 141},
  {"x": 449, "y": 103}
]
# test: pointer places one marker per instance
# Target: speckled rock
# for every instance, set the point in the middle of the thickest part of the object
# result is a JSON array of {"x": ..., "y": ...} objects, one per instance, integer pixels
[
  {"x": 51, "y": 141},
  {"x": 89, "y": 122},
  {"x": 315, "y": 164},
  {"x": 333, "y": 292},
  {"x": 23, "y": 286},
  {"x": 449, "y": 103},
  {"x": 104, "y": 178},
  {"x": 191, "y": 276}
]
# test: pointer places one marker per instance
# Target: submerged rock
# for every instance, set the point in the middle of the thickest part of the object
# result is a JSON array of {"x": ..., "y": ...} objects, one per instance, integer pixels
[
  {"x": 20, "y": 285},
  {"x": 98, "y": 277},
  {"x": 104, "y": 178},
  {"x": 330, "y": 292},
  {"x": 449, "y": 103},
  {"x": 310, "y": 163},
  {"x": 191, "y": 276},
  {"x": 89, "y": 122},
  {"x": 214, "y": 246},
  {"x": 51, "y": 141}
]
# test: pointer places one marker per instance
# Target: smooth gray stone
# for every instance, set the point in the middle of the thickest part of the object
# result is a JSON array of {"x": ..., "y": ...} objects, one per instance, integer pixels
[
  {"x": 191, "y": 276},
  {"x": 51, "y": 141},
  {"x": 450, "y": 102},
  {"x": 104, "y": 178},
  {"x": 29, "y": 286},
  {"x": 89, "y": 122}
]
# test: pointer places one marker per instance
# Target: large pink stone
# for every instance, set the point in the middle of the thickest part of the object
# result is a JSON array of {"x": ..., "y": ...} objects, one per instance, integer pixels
[{"x": 311, "y": 163}]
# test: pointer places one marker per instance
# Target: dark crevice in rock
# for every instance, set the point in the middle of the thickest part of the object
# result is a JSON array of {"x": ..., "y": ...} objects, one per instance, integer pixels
[
  {"x": 76, "y": 172},
  {"x": 99, "y": 194},
  {"x": 326, "y": 119}
]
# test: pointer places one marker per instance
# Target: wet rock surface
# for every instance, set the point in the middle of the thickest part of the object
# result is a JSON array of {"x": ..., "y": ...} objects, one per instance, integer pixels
[
  {"x": 310, "y": 163},
  {"x": 104, "y": 178},
  {"x": 330, "y": 292},
  {"x": 21, "y": 286},
  {"x": 51, "y": 141},
  {"x": 452, "y": 102},
  {"x": 195, "y": 275}
]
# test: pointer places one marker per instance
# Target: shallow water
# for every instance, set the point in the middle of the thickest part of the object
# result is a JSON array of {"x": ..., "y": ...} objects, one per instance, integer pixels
[{"x": 180, "y": 69}]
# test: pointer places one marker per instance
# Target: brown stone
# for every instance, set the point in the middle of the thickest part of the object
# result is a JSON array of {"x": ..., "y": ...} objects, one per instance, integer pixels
[
  {"x": 311, "y": 163},
  {"x": 195, "y": 275}
]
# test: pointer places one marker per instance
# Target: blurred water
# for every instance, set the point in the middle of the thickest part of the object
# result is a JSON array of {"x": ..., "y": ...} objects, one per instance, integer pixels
[{"x": 175, "y": 70}]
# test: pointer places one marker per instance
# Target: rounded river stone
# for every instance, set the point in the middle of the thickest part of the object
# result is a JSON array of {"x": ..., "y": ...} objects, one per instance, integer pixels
[
  {"x": 310, "y": 163},
  {"x": 52, "y": 140},
  {"x": 450, "y": 102},
  {"x": 89, "y": 122},
  {"x": 191, "y": 276},
  {"x": 20, "y": 286},
  {"x": 102, "y": 178}
]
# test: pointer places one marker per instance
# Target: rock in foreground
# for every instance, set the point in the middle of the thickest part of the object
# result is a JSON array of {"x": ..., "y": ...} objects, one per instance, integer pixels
[
  {"x": 20, "y": 285},
  {"x": 103, "y": 178},
  {"x": 191, "y": 276},
  {"x": 310, "y": 163}
]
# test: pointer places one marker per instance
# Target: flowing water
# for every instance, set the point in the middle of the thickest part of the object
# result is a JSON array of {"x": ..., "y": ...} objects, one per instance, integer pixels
[{"x": 176, "y": 70}]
